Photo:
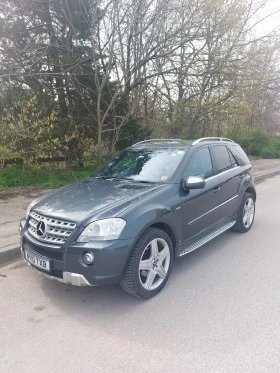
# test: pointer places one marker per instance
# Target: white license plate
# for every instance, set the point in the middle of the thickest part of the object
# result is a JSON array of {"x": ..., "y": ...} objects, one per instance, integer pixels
[{"x": 37, "y": 261}]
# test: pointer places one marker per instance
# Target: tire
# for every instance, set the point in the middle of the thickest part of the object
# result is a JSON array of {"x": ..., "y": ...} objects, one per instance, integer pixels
[
  {"x": 149, "y": 265},
  {"x": 246, "y": 214}
]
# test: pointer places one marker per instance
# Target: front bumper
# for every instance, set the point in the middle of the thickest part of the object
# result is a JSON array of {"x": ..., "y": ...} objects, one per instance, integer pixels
[
  {"x": 67, "y": 277},
  {"x": 67, "y": 264}
]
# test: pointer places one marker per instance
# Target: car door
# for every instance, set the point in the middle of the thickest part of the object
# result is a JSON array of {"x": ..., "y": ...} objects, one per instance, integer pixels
[
  {"x": 230, "y": 174},
  {"x": 201, "y": 206}
]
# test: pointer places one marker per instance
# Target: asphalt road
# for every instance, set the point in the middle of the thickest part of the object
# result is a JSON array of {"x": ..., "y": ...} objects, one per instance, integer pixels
[{"x": 220, "y": 312}]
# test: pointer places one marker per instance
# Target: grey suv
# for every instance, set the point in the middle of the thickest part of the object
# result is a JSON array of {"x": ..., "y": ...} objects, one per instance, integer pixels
[{"x": 153, "y": 202}]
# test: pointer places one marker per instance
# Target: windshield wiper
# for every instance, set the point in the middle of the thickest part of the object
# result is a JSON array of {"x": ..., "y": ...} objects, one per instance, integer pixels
[
  {"x": 144, "y": 181},
  {"x": 113, "y": 177},
  {"x": 125, "y": 178}
]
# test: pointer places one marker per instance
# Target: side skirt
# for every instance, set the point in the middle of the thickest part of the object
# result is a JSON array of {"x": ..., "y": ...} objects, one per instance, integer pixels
[{"x": 204, "y": 238}]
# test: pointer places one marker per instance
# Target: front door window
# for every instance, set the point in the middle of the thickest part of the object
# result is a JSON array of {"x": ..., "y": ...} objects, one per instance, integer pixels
[{"x": 200, "y": 164}]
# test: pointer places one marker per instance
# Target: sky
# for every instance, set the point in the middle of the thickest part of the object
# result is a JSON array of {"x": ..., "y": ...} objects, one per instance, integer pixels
[{"x": 272, "y": 22}]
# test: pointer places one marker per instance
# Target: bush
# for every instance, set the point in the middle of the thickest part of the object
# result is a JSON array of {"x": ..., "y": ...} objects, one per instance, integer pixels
[
  {"x": 256, "y": 142},
  {"x": 272, "y": 150}
]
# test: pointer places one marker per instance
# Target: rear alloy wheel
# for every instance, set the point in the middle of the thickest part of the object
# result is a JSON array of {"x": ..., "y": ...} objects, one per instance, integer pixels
[
  {"x": 246, "y": 214},
  {"x": 149, "y": 264}
]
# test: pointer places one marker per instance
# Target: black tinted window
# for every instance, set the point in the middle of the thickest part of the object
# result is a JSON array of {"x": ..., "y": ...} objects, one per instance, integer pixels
[
  {"x": 232, "y": 159},
  {"x": 200, "y": 164},
  {"x": 222, "y": 158},
  {"x": 240, "y": 155}
]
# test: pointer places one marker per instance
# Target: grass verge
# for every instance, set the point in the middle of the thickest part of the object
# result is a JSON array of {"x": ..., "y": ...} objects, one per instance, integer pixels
[{"x": 13, "y": 177}]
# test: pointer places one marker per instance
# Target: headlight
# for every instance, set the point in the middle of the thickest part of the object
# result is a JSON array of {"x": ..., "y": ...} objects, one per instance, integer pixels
[
  {"x": 107, "y": 229},
  {"x": 30, "y": 207}
]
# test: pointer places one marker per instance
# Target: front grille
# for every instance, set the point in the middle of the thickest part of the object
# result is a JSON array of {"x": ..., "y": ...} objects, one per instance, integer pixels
[
  {"x": 45, "y": 253},
  {"x": 55, "y": 231}
]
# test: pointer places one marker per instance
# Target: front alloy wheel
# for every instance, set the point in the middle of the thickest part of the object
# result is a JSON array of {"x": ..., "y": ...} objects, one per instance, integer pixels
[
  {"x": 154, "y": 264},
  {"x": 149, "y": 264}
]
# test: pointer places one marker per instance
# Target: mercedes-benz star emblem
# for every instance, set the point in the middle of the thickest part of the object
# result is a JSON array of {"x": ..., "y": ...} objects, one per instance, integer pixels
[{"x": 41, "y": 228}]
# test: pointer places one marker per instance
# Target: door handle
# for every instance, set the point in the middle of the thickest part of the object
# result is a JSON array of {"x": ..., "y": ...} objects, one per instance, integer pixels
[{"x": 217, "y": 189}]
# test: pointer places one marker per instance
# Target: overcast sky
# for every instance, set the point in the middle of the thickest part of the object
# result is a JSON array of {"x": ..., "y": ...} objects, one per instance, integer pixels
[{"x": 273, "y": 21}]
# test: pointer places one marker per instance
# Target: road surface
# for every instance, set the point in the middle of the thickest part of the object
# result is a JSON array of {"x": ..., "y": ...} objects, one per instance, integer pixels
[{"x": 219, "y": 312}]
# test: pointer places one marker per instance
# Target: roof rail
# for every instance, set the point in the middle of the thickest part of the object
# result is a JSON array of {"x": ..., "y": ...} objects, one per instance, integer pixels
[
  {"x": 211, "y": 139},
  {"x": 154, "y": 140}
]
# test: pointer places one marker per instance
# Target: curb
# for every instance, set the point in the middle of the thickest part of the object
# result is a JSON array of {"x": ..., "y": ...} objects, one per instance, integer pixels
[
  {"x": 15, "y": 253},
  {"x": 266, "y": 176},
  {"x": 9, "y": 254}
]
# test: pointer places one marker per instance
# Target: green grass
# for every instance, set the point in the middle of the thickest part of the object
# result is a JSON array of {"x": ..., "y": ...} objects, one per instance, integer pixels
[{"x": 13, "y": 177}]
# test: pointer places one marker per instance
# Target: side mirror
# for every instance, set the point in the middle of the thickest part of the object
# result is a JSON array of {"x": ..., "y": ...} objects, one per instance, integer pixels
[{"x": 194, "y": 182}]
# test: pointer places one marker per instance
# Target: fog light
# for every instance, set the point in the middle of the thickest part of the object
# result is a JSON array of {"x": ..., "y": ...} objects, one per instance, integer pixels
[{"x": 88, "y": 258}]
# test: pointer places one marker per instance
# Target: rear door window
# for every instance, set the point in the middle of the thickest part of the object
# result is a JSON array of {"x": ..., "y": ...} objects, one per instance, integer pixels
[{"x": 222, "y": 158}]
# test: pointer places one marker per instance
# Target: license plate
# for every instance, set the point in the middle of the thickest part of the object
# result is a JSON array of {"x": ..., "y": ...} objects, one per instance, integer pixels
[{"x": 37, "y": 261}]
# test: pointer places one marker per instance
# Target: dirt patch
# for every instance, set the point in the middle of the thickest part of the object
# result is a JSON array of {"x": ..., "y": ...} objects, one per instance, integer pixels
[{"x": 28, "y": 192}]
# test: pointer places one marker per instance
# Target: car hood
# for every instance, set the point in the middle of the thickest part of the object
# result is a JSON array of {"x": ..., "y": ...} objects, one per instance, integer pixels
[{"x": 92, "y": 197}]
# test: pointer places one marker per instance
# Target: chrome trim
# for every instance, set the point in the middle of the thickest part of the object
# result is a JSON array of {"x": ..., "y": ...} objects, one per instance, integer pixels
[
  {"x": 68, "y": 277},
  {"x": 195, "y": 179},
  {"x": 221, "y": 173},
  {"x": 75, "y": 279},
  {"x": 40, "y": 243},
  {"x": 56, "y": 230},
  {"x": 215, "y": 208},
  {"x": 210, "y": 236},
  {"x": 211, "y": 139}
]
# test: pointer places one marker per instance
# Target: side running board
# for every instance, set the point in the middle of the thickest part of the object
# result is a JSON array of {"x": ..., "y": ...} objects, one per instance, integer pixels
[{"x": 200, "y": 241}]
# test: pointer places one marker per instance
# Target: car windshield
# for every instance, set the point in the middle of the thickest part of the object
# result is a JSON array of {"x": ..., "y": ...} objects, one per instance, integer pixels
[{"x": 143, "y": 165}]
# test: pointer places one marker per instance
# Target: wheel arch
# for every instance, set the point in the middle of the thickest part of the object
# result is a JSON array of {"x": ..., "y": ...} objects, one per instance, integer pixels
[
  {"x": 130, "y": 281},
  {"x": 167, "y": 229},
  {"x": 252, "y": 191}
]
